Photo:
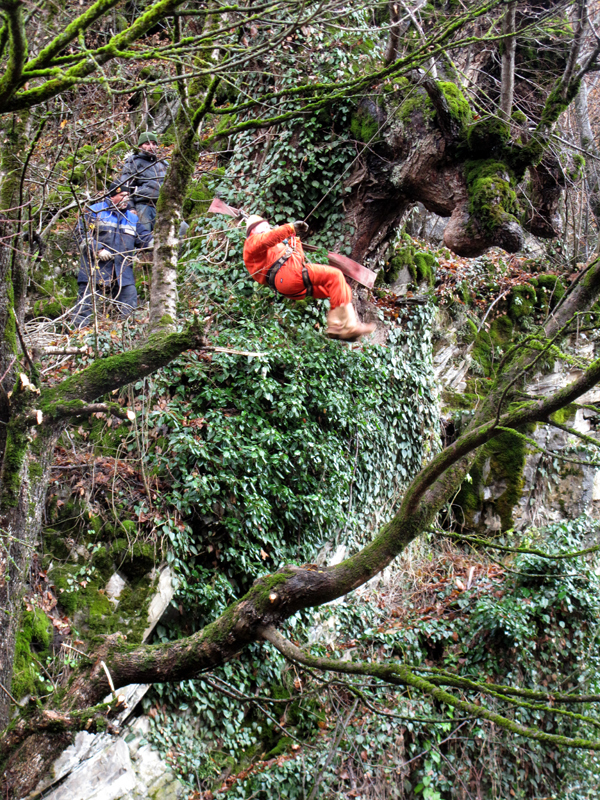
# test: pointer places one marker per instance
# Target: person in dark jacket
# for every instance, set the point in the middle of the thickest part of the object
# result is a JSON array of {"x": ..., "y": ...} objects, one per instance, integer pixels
[
  {"x": 108, "y": 235},
  {"x": 143, "y": 175}
]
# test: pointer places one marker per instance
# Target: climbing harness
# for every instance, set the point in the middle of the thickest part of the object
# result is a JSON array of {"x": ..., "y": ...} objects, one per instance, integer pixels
[{"x": 274, "y": 269}]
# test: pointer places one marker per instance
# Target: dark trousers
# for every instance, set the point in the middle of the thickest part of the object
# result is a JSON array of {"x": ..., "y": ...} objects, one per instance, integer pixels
[
  {"x": 146, "y": 215},
  {"x": 125, "y": 297}
]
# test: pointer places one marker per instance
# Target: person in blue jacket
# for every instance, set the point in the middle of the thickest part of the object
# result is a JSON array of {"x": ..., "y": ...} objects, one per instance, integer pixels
[{"x": 109, "y": 233}]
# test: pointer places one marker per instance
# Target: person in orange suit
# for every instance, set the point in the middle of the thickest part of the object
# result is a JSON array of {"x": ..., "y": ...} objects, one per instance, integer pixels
[{"x": 275, "y": 258}]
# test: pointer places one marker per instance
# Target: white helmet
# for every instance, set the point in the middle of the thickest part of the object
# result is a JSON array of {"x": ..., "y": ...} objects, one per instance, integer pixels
[{"x": 252, "y": 221}]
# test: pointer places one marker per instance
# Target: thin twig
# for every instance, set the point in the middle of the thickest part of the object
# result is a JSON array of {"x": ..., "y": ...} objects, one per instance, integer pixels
[
  {"x": 24, "y": 347},
  {"x": 110, "y": 680},
  {"x": 9, "y": 695}
]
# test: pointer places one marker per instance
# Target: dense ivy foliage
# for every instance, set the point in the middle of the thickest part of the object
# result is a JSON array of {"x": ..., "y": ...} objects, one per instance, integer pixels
[{"x": 270, "y": 457}]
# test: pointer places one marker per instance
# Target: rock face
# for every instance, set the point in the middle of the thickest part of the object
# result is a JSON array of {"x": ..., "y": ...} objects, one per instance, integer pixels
[
  {"x": 539, "y": 488},
  {"x": 105, "y": 767},
  {"x": 560, "y": 490},
  {"x": 100, "y": 767}
]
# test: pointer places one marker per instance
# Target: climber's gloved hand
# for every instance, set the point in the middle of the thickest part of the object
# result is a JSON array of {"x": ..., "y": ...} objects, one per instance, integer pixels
[
  {"x": 300, "y": 227},
  {"x": 104, "y": 254}
]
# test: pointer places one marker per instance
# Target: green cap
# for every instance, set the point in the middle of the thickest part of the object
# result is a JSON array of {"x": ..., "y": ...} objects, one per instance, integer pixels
[{"x": 147, "y": 136}]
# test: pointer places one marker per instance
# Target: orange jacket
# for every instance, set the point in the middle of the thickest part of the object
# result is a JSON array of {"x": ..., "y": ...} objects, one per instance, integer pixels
[{"x": 261, "y": 251}]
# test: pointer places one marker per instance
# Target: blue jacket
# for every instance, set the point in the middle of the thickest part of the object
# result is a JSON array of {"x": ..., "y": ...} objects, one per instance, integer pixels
[{"x": 104, "y": 226}]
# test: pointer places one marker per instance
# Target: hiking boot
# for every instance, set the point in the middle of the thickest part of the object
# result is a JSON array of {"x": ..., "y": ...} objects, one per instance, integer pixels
[
  {"x": 336, "y": 319},
  {"x": 344, "y": 324}
]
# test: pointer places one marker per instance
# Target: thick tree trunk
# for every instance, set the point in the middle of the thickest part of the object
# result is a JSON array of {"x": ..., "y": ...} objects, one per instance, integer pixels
[
  {"x": 17, "y": 537},
  {"x": 163, "y": 304},
  {"x": 509, "y": 46},
  {"x": 588, "y": 143},
  {"x": 21, "y": 519}
]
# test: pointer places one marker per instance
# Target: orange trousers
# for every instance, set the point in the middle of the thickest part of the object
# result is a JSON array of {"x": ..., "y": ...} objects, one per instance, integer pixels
[{"x": 327, "y": 282}]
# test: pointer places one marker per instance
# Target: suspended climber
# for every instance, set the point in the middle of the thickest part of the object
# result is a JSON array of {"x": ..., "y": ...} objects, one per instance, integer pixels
[{"x": 275, "y": 258}]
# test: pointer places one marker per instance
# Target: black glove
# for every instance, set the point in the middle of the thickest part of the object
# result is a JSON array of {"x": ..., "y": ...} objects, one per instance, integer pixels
[{"x": 300, "y": 227}]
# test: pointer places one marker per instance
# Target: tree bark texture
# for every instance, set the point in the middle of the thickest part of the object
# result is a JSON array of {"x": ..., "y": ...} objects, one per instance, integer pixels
[
  {"x": 509, "y": 48},
  {"x": 163, "y": 302},
  {"x": 588, "y": 144}
]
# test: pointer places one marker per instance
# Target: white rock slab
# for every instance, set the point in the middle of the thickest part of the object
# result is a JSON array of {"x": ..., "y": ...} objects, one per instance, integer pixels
[
  {"x": 160, "y": 601},
  {"x": 108, "y": 776},
  {"x": 596, "y": 487},
  {"x": 114, "y": 587}
]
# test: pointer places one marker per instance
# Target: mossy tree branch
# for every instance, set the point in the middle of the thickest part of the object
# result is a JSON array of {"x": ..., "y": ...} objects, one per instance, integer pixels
[
  {"x": 81, "y": 409},
  {"x": 17, "y": 48},
  {"x": 85, "y": 68},
  {"x": 91, "y": 719},
  {"x": 401, "y": 675},
  {"x": 69, "y": 34},
  {"x": 107, "y": 374}
]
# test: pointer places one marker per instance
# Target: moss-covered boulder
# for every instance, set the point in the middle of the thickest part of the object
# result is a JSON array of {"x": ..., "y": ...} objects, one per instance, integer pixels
[
  {"x": 492, "y": 198},
  {"x": 406, "y": 255},
  {"x": 487, "y": 499},
  {"x": 521, "y": 301}
]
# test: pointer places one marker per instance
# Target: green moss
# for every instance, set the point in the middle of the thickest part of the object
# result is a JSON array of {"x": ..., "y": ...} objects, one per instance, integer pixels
[
  {"x": 563, "y": 415},
  {"x": 14, "y": 456},
  {"x": 458, "y": 401},
  {"x": 519, "y": 117},
  {"x": 364, "y": 127},
  {"x": 51, "y": 309},
  {"x": 103, "y": 563},
  {"x": 506, "y": 454},
  {"x": 85, "y": 602},
  {"x": 424, "y": 268},
  {"x": 492, "y": 200},
  {"x": 468, "y": 332},
  {"x": 489, "y": 345},
  {"x": 549, "y": 291},
  {"x": 10, "y": 326},
  {"x": 135, "y": 560},
  {"x": 457, "y": 103},
  {"x": 521, "y": 301},
  {"x": 32, "y": 644},
  {"x": 198, "y": 198},
  {"x": 417, "y": 103},
  {"x": 420, "y": 264},
  {"x": 35, "y": 470},
  {"x": 131, "y": 615},
  {"x": 54, "y": 544},
  {"x": 577, "y": 170},
  {"x": 501, "y": 331},
  {"x": 96, "y": 609},
  {"x": 556, "y": 103},
  {"x": 488, "y": 137},
  {"x": 482, "y": 352},
  {"x": 469, "y": 500},
  {"x": 282, "y": 746}
]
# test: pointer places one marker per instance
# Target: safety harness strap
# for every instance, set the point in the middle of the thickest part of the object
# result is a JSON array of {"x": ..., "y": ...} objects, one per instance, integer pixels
[
  {"x": 274, "y": 269},
  {"x": 306, "y": 281}
]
